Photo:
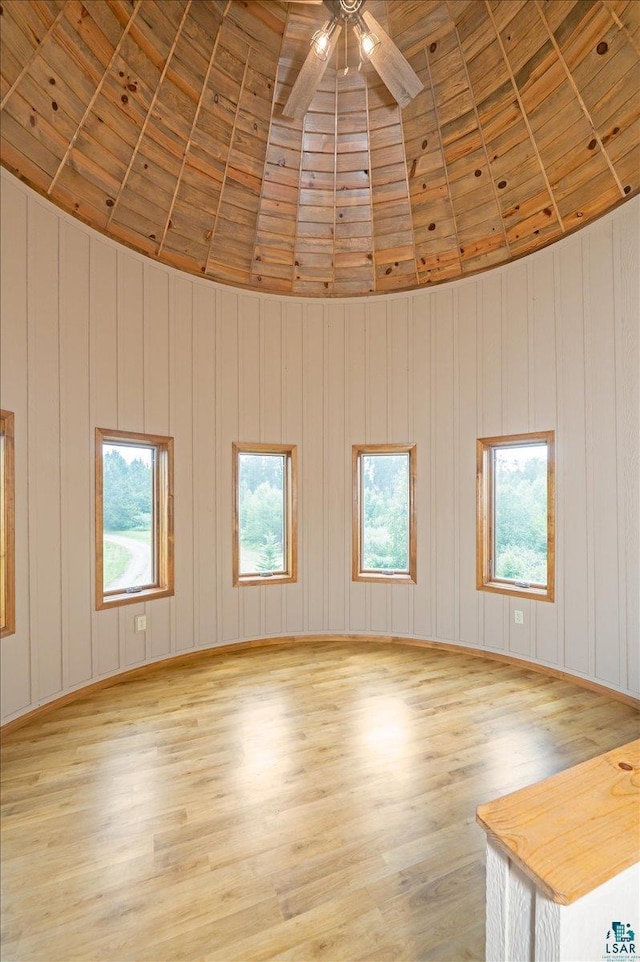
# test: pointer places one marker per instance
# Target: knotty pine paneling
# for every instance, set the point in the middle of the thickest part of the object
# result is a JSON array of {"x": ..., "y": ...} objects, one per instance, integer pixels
[{"x": 93, "y": 335}]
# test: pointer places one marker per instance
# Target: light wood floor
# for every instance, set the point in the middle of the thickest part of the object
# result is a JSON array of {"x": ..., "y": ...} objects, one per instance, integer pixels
[{"x": 309, "y": 802}]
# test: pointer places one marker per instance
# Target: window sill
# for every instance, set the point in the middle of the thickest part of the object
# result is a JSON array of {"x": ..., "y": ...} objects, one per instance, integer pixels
[
  {"x": 274, "y": 579},
  {"x": 133, "y": 597},
  {"x": 387, "y": 577},
  {"x": 517, "y": 591}
]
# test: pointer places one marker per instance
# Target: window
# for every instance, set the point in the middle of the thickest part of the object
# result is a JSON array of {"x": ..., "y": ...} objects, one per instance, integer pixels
[
  {"x": 515, "y": 546},
  {"x": 134, "y": 517},
  {"x": 7, "y": 527},
  {"x": 383, "y": 526},
  {"x": 265, "y": 526}
]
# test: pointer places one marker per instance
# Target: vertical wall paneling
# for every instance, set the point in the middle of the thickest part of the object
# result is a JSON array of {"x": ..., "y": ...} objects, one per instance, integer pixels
[
  {"x": 491, "y": 354},
  {"x": 157, "y": 405},
  {"x": 271, "y": 384},
  {"x": 131, "y": 371},
  {"x": 205, "y": 476},
  {"x": 313, "y": 476},
  {"x": 130, "y": 343},
  {"x": 543, "y": 415},
  {"x": 250, "y": 393},
  {"x": 357, "y": 399},
  {"x": 226, "y": 419},
  {"x": 421, "y": 403},
  {"x": 93, "y": 335},
  {"x": 181, "y": 428},
  {"x": 399, "y": 374},
  {"x": 377, "y": 356},
  {"x": 156, "y": 381},
  {"x": 572, "y": 468},
  {"x": 44, "y": 446},
  {"x": 76, "y": 454},
  {"x": 292, "y": 431},
  {"x": 466, "y": 460},
  {"x": 515, "y": 356},
  {"x": 589, "y": 461},
  {"x": 338, "y": 464},
  {"x": 15, "y": 651},
  {"x": 601, "y": 401},
  {"x": 103, "y": 381},
  {"x": 444, "y": 447},
  {"x": 494, "y": 607},
  {"x": 515, "y": 414},
  {"x": 627, "y": 353}
]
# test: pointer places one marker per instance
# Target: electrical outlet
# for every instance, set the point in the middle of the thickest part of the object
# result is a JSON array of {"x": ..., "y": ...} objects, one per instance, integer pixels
[
  {"x": 518, "y": 617},
  {"x": 140, "y": 622}
]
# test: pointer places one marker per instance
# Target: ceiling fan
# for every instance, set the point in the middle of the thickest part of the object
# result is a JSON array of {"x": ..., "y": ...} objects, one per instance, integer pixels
[{"x": 376, "y": 46}]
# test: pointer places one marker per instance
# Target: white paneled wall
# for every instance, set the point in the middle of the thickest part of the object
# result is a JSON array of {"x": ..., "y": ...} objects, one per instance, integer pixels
[{"x": 94, "y": 335}]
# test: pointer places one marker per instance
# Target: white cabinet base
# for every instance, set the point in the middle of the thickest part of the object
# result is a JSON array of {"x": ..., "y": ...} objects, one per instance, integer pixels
[{"x": 525, "y": 925}]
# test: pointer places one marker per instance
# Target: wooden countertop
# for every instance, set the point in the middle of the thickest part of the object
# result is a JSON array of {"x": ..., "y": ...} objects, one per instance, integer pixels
[{"x": 575, "y": 830}]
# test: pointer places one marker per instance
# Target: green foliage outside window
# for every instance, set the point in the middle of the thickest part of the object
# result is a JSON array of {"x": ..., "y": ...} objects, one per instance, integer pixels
[
  {"x": 520, "y": 481},
  {"x": 127, "y": 491},
  {"x": 385, "y": 512},
  {"x": 261, "y": 513}
]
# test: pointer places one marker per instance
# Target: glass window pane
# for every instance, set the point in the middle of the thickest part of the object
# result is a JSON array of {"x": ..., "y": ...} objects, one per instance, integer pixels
[
  {"x": 262, "y": 513},
  {"x": 385, "y": 512},
  {"x": 128, "y": 516},
  {"x": 520, "y": 513}
]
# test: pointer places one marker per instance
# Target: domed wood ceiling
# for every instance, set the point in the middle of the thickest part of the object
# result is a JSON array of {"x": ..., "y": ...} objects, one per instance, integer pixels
[{"x": 160, "y": 123}]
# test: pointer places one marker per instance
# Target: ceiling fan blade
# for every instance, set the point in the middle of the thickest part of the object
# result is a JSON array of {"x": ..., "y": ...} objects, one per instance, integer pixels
[
  {"x": 391, "y": 66},
  {"x": 311, "y": 73}
]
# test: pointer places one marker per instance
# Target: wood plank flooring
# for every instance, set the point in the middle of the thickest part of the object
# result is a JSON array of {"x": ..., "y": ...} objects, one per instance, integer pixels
[{"x": 308, "y": 802}]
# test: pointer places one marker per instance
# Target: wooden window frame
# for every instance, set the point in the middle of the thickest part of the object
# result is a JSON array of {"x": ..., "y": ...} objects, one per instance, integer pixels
[
  {"x": 163, "y": 519},
  {"x": 357, "y": 573},
  {"x": 290, "y": 574},
  {"x": 8, "y": 524},
  {"x": 485, "y": 520}
]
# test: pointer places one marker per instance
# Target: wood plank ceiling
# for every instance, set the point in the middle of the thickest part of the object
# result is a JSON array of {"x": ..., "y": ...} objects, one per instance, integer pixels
[{"x": 160, "y": 124}]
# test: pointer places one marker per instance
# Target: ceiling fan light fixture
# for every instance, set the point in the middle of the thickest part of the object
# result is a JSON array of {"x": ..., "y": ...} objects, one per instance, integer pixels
[
  {"x": 321, "y": 40},
  {"x": 369, "y": 41}
]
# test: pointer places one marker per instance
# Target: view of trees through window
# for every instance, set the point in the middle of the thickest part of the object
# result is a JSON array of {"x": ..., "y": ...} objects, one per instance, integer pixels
[
  {"x": 520, "y": 513},
  {"x": 261, "y": 521},
  {"x": 128, "y": 504},
  {"x": 384, "y": 480}
]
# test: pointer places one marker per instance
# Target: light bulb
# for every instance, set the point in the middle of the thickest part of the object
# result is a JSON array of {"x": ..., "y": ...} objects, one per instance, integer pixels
[
  {"x": 321, "y": 40},
  {"x": 368, "y": 44}
]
